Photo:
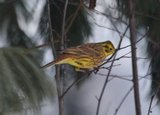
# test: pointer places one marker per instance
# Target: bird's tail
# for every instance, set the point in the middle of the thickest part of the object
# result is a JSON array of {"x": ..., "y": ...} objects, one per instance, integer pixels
[
  {"x": 61, "y": 60},
  {"x": 49, "y": 64}
]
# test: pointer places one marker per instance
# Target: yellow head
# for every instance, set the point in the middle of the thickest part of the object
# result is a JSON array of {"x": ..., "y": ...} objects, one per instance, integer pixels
[{"x": 108, "y": 47}]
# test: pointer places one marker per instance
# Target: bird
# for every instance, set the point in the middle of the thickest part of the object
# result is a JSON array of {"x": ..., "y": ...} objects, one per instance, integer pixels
[{"x": 86, "y": 56}]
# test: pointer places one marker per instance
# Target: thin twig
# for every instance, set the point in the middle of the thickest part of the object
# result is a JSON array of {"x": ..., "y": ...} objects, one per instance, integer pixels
[
  {"x": 101, "y": 26},
  {"x": 123, "y": 78},
  {"x": 115, "y": 76},
  {"x": 74, "y": 83},
  {"x": 63, "y": 34},
  {"x": 136, "y": 41},
  {"x": 63, "y": 46},
  {"x": 57, "y": 75},
  {"x": 50, "y": 30},
  {"x": 151, "y": 102},
  {"x": 74, "y": 17},
  {"x": 150, "y": 105},
  {"x": 108, "y": 15},
  {"x": 103, "y": 89},
  {"x": 108, "y": 74},
  {"x": 122, "y": 101}
]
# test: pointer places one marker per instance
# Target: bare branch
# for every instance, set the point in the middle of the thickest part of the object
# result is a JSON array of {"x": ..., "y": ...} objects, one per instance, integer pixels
[
  {"x": 132, "y": 24},
  {"x": 150, "y": 105},
  {"x": 74, "y": 16},
  {"x": 74, "y": 83},
  {"x": 57, "y": 76},
  {"x": 108, "y": 74},
  {"x": 151, "y": 102},
  {"x": 63, "y": 34},
  {"x": 122, "y": 101}
]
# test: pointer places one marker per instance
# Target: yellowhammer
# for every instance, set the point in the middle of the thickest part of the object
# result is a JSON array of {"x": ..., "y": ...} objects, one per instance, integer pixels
[{"x": 86, "y": 56}]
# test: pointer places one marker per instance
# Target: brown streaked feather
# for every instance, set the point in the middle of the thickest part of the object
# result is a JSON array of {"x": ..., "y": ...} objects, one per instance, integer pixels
[
  {"x": 61, "y": 57},
  {"x": 90, "y": 49}
]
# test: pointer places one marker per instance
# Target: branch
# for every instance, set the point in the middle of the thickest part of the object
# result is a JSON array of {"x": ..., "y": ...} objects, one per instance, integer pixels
[
  {"x": 150, "y": 105},
  {"x": 122, "y": 101},
  {"x": 74, "y": 17},
  {"x": 61, "y": 72},
  {"x": 151, "y": 102},
  {"x": 115, "y": 76},
  {"x": 74, "y": 83},
  {"x": 57, "y": 75},
  {"x": 103, "y": 88},
  {"x": 108, "y": 74},
  {"x": 63, "y": 34},
  {"x": 132, "y": 24}
]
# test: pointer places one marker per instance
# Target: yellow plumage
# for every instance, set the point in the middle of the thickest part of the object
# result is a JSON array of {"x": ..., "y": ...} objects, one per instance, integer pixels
[{"x": 86, "y": 56}]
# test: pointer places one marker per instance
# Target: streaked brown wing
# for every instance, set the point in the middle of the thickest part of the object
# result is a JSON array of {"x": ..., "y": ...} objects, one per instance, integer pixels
[
  {"x": 94, "y": 50},
  {"x": 77, "y": 50},
  {"x": 73, "y": 51},
  {"x": 91, "y": 50}
]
